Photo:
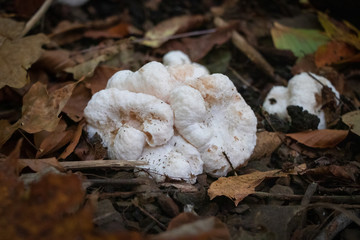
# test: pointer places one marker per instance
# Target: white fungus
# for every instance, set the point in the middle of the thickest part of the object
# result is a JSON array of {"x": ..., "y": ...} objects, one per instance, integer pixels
[
  {"x": 138, "y": 113},
  {"x": 303, "y": 91}
]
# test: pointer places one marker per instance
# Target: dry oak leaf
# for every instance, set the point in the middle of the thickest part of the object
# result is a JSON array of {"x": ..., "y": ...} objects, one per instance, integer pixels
[
  {"x": 266, "y": 144},
  {"x": 352, "y": 119},
  {"x": 17, "y": 56},
  {"x": 324, "y": 138},
  {"x": 41, "y": 109},
  {"x": 10, "y": 29},
  {"x": 164, "y": 30},
  {"x": 238, "y": 187},
  {"x": 39, "y": 112}
]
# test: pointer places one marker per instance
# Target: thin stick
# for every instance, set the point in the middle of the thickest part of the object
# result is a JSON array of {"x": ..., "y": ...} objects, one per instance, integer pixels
[
  {"x": 76, "y": 165},
  {"x": 290, "y": 197},
  {"x": 36, "y": 17},
  {"x": 149, "y": 215}
]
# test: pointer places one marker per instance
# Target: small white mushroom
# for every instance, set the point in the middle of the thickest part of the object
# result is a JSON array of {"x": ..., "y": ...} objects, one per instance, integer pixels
[
  {"x": 177, "y": 160},
  {"x": 303, "y": 91},
  {"x": 126, "y": 120},
  {"x": 213, "y": 117}
]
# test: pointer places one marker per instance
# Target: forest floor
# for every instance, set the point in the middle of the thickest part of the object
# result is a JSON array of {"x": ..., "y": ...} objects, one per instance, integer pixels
[{"x": 56, "y": 183}]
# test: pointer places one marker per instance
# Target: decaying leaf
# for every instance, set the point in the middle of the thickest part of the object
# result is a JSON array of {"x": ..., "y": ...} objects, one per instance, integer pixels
[
  {"x": 7, "y": 130},
  {"x": 238, "y": 187},
  {"x": 299, "y": 41},
  {"x": 74, "y": 108},
  {"x": 38, "y": 165},
  {"x": 17, "y": 56},
  {"x": 86, "y": 69},
  {"x": 266, "y": 144},
  {"x": 41, "y": 109},
  {"x": 164, "y": 30},
  {"x": 100, "y": 78},
  {"x": 10, "y": 29},
  {"x": 344, "y": 32},
  {"x": 333, "y": 53},
  {"x": 352, "y": 119},
  {"x": 324, "y": 138},
  {"x": 74, "y": 141},
  {"x": 190, "y": 226}
]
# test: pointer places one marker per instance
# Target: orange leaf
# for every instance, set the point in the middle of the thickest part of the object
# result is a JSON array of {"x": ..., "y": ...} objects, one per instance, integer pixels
[
  {"x": 332, "y": 53},
  {"x": 324, "y": 138}
]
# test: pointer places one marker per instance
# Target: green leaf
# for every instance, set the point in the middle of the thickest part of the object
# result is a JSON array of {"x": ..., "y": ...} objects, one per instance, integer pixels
[{"x": 300, "y": 41}]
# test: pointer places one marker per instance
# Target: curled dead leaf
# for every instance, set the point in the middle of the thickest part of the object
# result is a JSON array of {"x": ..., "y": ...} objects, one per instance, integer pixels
[
  {"x": 41, "y": 109},
  {"x": 17, "y": 56},
  {"x": 352, "y": 119},
  {"x": 164, "y": 30},
  {"x": 324, "y": 138},
  {"x": 238, "y": 187}
]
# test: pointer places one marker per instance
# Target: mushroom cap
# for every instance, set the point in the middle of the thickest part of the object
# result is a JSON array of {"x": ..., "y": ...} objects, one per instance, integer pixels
[
  {"x": 176, "y": 57},
  {"x": 276, "y": 102},
  {"x": 126, "y": 120},
  {"x": 302, "y": 90},
  {"x": 177, "y": 160},
  {"x": 211, "y": 115},
  {"x": 152, "y": 78}
]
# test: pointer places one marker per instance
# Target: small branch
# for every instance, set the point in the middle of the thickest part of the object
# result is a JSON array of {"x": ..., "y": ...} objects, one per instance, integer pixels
[
  {"x": 117, "y": 181},
  {"x": 36, "y": 17},
  {"x": 338, "y": 224},
  {"x": 149, "y": 215},
  {"x": 286, "y": 197},
  {"x": 76, "y": 165},
  {"x": 240, "y": 42}
]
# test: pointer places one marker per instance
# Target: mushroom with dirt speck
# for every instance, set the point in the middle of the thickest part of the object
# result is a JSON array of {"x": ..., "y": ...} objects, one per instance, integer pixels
[{"x": 302, "y": 90}]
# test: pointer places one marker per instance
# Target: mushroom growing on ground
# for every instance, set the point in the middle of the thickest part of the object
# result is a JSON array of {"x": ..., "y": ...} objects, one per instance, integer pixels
[
  {"x": 177, "y": 118},
  {"x": 302, "y": 90}
]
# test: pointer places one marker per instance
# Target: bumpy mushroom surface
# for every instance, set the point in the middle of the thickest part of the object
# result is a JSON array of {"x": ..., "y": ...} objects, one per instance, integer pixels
[
  {"x": 126, "y": 120},
  {"x": 212, "y": 116},
  {"x": 177, "y": 160},
  {"x": 212, "y": 120},
  {"x": 303, "y": 91}
]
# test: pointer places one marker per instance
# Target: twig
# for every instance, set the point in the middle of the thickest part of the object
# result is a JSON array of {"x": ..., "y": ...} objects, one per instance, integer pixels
[
  {"x": 76, "y": 165},
  {"x": 338, "y": 224},
  {"x": 149, "y": 215},
  {"x": 116, "y": 181},
  {"x": 290, "y": 197},
  {"x": 241, "y": 43},
  {"x": 35, "y": 18}
]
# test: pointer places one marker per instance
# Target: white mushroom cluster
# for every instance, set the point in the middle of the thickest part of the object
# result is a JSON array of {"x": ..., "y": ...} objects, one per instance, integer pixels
[
  {"x": 302, "y": 90},
  {"x": 176, "y": 117}
]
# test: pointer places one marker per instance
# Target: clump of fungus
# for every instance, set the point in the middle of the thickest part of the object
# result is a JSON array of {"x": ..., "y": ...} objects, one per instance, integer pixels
[
  {"x": 176, "y": 117},
  {"x": 303, "y": 90}
]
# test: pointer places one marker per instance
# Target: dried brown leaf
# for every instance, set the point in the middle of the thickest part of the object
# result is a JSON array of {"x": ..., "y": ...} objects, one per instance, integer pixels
[
  {"x": 352, "y": 119},
  {"x": 86, "y": 69},
  {"x": 266, "y": 144},
  {"x": 74, "y": 141},
  {"x": 164, "y": 30},
  {"x": 7, "y": 130},
  {"x": 55, "y": 61},
  {"x": 100, "y": 78},
  {"x": 10, "y": 29},
  {"x": 238, "y": 187},
  {"x": 190, "y": 226},
  {"x": 324, "y": 138},
  {"x": 41, "y": 109},
  {"x": 17, "y": 56},
  {"x": 38, "y": 165},
  {"x": 74, "y": 108}
]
